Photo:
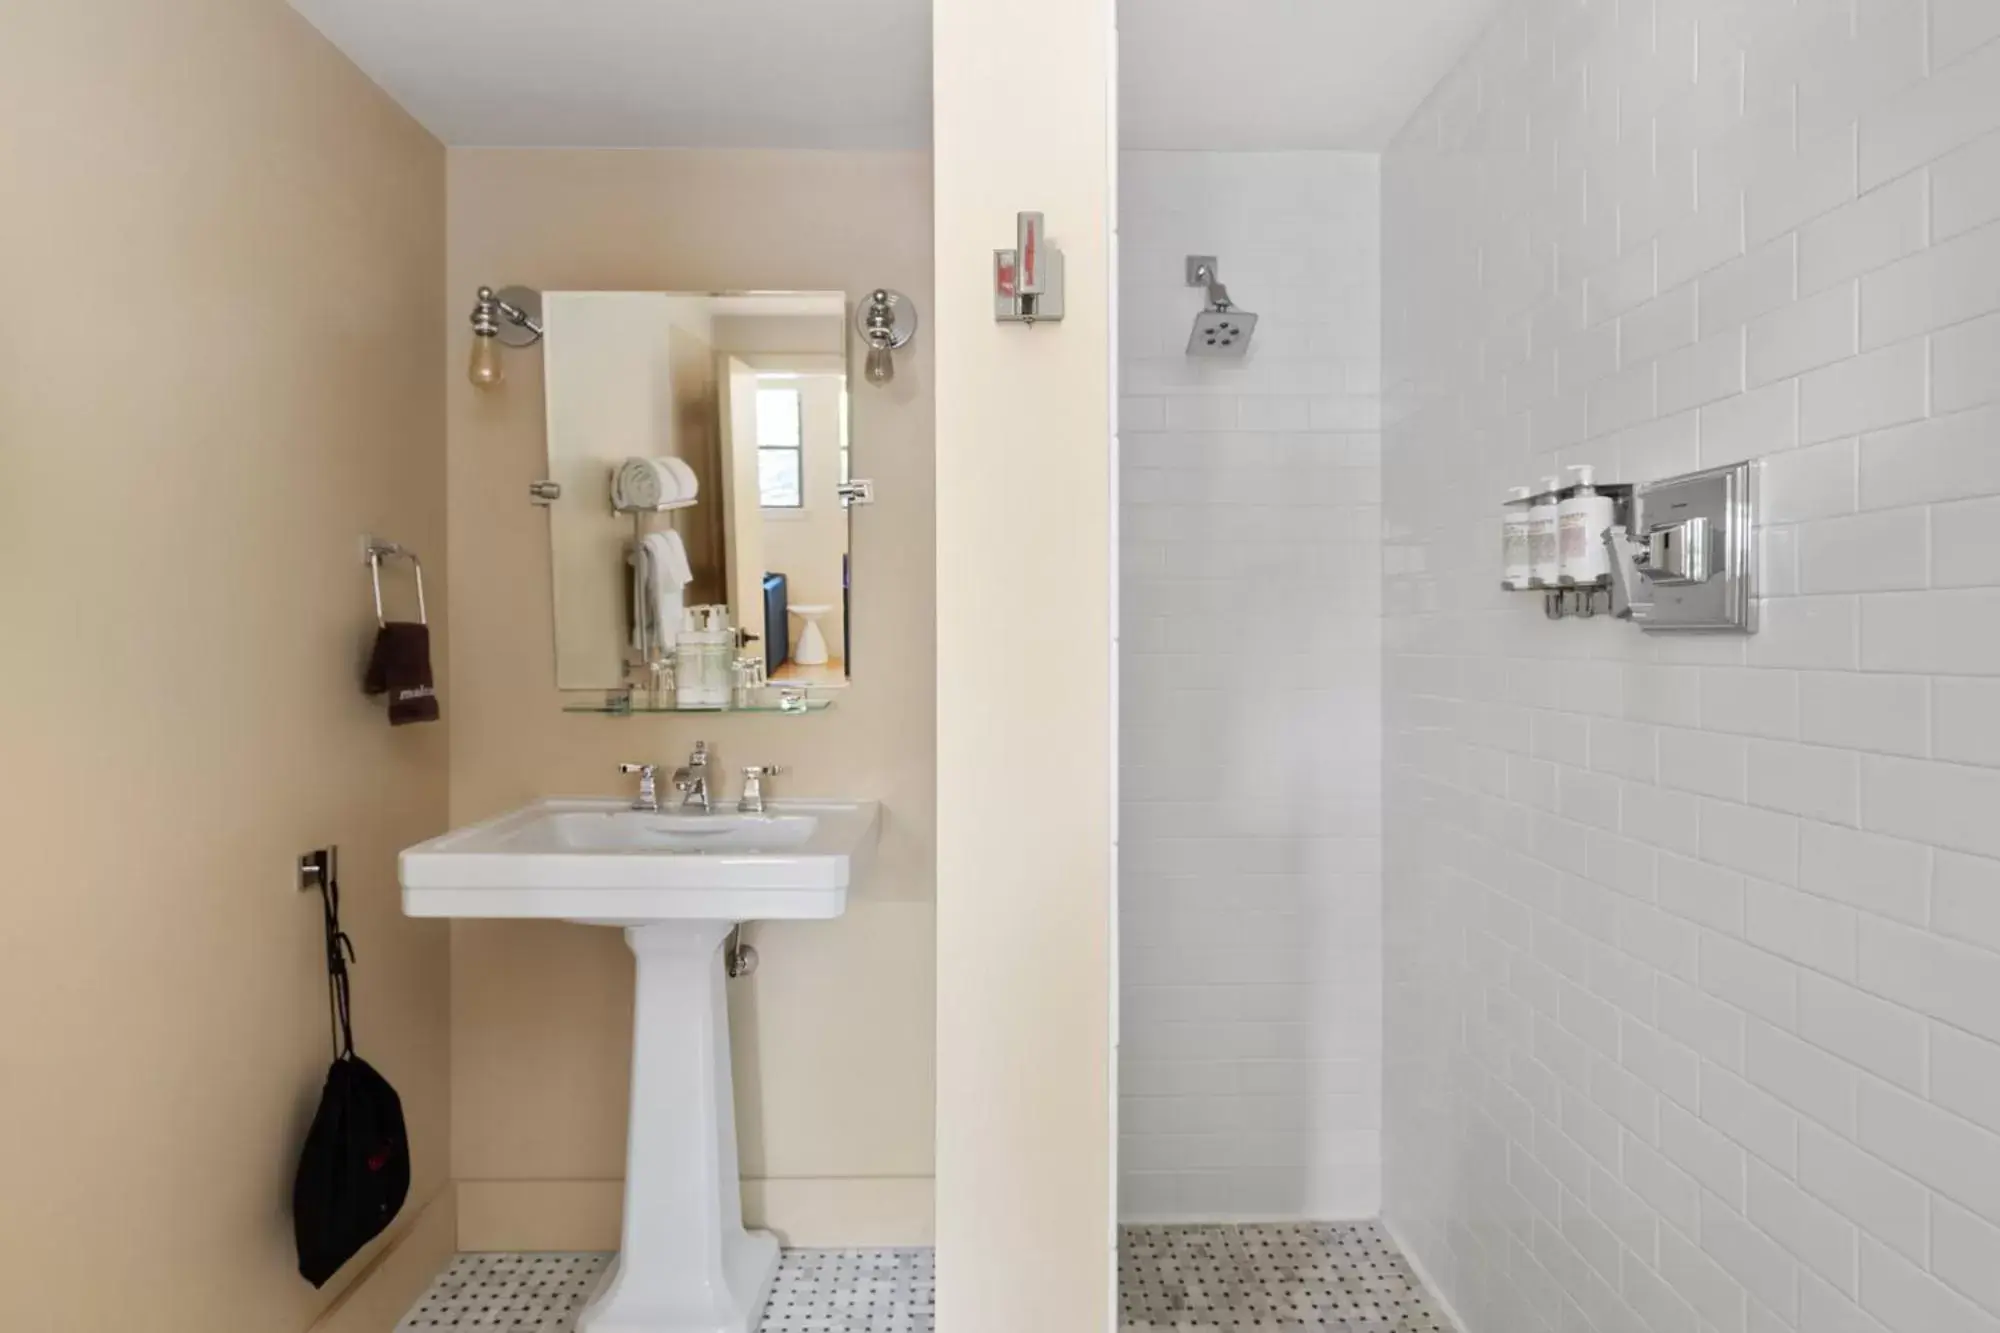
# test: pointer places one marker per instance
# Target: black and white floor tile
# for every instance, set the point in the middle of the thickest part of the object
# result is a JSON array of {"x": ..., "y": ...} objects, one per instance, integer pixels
[
  {"x": 1294, "y": 1278},
  {"x": 1345, "y": 1276},
  {"x": 816, "y": 1291}
]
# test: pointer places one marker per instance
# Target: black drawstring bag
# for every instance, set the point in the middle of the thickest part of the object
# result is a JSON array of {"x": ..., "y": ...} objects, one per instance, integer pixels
[{"x": 354, "y": 1171}]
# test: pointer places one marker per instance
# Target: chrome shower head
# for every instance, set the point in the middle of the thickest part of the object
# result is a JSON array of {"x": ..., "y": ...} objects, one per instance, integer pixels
[
  {"x": 1221, "y": 329},
  {"x": 1221, "y": 333}
]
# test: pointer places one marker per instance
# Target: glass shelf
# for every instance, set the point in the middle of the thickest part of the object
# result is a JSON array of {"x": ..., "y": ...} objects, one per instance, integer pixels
[{"x": 608, "y": 706}]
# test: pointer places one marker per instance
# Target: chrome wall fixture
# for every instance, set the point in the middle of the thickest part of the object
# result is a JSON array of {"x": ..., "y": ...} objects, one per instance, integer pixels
[
  {"x": 886, "y": 321},
  {"x": 510, "y": 317},
  {"x": 1220, "y": 329},
  {"x": 374, "y": 550},
  {"x": 1028, "y": 280},
  {"x": 1687, "y": 559},
  {"x": 1683, "y": 555}
]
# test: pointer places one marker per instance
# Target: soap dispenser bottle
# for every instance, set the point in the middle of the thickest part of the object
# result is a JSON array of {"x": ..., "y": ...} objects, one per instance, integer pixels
[
  {"x": 1582, "y": 515},
  {"x": 1515, "y": 564},
  {"x": 701, "y": 654},
  {"x": 1544, "y": 561}
]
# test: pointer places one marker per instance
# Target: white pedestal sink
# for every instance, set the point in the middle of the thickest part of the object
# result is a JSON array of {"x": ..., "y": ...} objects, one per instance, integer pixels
[{"x": 677, "y": 883}]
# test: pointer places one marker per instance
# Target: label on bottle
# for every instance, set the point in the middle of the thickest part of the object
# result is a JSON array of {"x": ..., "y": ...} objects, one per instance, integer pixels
[
  {"x": 1541, "y": 543},
  {"x": 1575, "y": 540}
]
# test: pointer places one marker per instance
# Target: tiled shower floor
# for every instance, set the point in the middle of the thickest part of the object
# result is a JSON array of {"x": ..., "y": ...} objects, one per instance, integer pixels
[{"x": 1345, "y": 1277}]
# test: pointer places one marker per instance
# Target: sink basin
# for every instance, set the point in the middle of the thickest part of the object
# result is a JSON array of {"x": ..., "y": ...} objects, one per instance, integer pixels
[
  {"x": 616, "y": 831},
  {"x": 678, "y": 882},
  {"x": 603, "y": 863}
]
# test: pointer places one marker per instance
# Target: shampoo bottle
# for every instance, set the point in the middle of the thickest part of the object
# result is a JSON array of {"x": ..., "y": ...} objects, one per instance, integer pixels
[
  {"x": 1514, "y": 561},
  {"x": 1581, "y": 518},
  {"x": 1544, "y": 564}
]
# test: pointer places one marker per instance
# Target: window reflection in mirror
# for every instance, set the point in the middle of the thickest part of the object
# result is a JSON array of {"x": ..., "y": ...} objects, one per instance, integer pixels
[{"x": 748, "y": 391}]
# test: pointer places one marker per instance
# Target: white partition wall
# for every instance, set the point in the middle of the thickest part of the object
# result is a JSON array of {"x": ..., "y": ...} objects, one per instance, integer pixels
[{"x": 1024, "y": 674}]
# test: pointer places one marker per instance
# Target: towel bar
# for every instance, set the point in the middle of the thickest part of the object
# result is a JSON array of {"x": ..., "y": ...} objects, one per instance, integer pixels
[{"x": 377, "y": 551}]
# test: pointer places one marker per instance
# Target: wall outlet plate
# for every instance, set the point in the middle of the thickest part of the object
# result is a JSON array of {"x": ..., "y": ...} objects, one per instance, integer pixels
[{"x": 1713, "y": 514}]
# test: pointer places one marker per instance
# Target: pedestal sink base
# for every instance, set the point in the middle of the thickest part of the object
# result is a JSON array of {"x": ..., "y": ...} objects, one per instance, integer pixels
[
  {"x": 737, "y": 1308},
  {"x": 686, "y": 1265}
]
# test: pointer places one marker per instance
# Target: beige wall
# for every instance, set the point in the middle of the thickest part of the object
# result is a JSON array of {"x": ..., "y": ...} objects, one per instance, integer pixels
[
  {"x": 220, "y": 365},
  {"x": 1025, "y": 760},
  {"x": 834, "y": 1034}
]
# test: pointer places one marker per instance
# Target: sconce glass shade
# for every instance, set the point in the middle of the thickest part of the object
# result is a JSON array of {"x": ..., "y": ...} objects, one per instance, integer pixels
[
  {"x": 881, "y": 366},
  {"x": 483, "y": 368}
]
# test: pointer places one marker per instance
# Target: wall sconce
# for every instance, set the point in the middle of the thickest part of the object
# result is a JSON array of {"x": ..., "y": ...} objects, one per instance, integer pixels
[
  {"x": 511, "y": 317},
  {"x": 886, "y": 321},
  {"x": 1028, "y": 280}
]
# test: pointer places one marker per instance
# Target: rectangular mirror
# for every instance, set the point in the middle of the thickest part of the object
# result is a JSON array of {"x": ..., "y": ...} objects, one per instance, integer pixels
[{"x": 748, "y": 392}]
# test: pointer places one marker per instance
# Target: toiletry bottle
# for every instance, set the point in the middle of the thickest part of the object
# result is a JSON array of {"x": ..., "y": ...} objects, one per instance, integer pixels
[
  {"x": 720, "y": 649},
  {"x": 697, "y": 683},
  {"x": 1517, "y": 568},
  {"x": 1544, "y": 567},
  {"x": 1581, "y": 518}
]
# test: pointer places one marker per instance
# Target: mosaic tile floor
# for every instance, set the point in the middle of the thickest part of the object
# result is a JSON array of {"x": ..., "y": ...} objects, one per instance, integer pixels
[
  {"x": 816, "y": 1291},
  {"x": 1346, "y": 1277}
]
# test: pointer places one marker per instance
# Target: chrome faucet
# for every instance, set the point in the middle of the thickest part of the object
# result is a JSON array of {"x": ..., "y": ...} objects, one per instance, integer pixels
[
  {"x": 751, "y": 802},
  {"x": 691, "y": 781},
  {"x": 648, "y": 798}
]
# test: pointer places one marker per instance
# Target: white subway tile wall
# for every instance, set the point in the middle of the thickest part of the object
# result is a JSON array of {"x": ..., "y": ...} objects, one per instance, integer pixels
[
  {"x": 1693, "y": 943},
  {"x": 1250, "y": 744}
]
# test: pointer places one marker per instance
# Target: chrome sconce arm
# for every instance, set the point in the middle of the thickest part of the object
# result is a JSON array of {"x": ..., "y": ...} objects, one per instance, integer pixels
[
  {"x": 510, "y": 317},
  {"x": 886, "y": 321}
]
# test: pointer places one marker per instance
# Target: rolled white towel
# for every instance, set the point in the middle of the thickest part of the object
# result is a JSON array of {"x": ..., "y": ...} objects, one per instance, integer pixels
[
  {"x": 643, "y": 483},
  {"x": 686, "y": 485}
]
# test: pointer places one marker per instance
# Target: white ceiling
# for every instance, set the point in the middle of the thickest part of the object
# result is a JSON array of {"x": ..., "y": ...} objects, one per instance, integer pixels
[
  {"x": 647, "y": 73},
  {"x": 1246, "y": 74},
  {"x": 1259, "y": 74}
]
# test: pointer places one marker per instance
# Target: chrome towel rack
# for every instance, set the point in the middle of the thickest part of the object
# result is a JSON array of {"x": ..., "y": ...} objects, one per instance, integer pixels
[{"x": 377, "y": 551}]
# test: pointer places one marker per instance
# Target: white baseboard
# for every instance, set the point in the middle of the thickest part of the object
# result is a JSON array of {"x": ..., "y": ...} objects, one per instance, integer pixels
[{"x": 514, "y": 1215}]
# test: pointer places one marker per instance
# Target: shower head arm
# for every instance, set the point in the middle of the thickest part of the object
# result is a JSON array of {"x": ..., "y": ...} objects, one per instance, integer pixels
[{"x": 1201, "y": 272}]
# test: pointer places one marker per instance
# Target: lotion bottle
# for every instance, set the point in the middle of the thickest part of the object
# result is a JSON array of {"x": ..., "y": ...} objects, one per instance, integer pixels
[
  {"x": 1544, "y": 564},
  {"x": 1581, "y": 518},
  {"x": 1518, "y": 569}
]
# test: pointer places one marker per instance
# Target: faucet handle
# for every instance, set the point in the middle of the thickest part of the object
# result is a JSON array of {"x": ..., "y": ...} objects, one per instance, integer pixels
[
  {"x": 648, "y": 798},
  {"x": 752, "y": 800}
]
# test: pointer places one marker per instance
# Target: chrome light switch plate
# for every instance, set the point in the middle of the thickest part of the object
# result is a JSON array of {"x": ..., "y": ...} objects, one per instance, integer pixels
[{"x": 1699, "y": 533}]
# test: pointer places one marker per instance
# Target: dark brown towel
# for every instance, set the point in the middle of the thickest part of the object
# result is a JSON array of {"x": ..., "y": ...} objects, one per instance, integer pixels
[{"x": 400, "y": 667}]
